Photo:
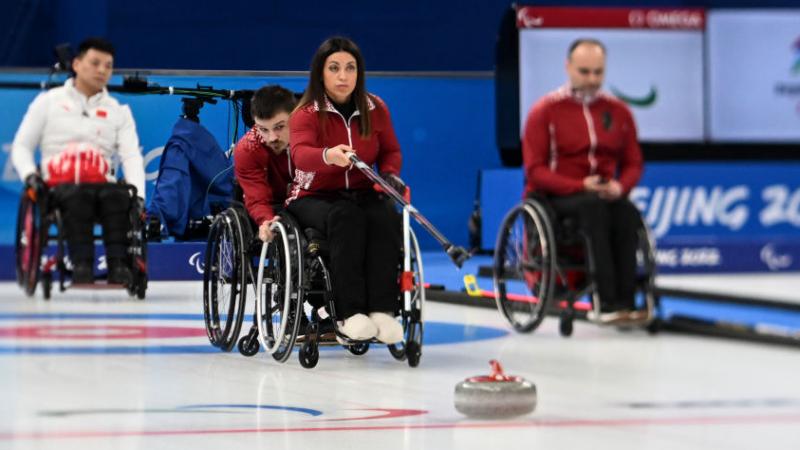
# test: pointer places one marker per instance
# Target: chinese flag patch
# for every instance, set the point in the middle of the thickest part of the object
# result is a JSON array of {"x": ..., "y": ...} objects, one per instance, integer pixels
[{"x": 101, "y": 113}]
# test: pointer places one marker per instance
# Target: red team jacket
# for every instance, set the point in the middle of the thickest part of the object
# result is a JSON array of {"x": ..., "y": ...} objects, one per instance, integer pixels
[
  {"x": 263, "y": 176},
  {"x": 315, "y": 177},
  {"x": 566, "y": 140}
]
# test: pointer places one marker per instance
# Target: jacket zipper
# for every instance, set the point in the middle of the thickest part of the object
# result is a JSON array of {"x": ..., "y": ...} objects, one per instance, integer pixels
[
  {"x": 349, "y": 142},
  {"x": 592, "y": 138}
]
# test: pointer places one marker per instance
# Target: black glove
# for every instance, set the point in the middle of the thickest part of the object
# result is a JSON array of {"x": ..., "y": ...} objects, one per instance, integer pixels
[
  {"x": 395, "y": 182},
  {"x": 35, "y": 182}
]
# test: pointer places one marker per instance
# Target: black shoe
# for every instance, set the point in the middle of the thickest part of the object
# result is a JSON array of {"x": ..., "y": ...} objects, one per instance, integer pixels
[
  {"x": 326, "y": 326},
  {"x": 82, "y": 273},
  {"x": 119, "y": 273}
]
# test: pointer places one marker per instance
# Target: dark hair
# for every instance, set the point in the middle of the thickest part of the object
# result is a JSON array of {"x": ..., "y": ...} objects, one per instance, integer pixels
[
  {"x": 96, "y": 43},
  {"x": 269, "y": 100},
  {"x": 316, "y": 86},
  {"x": 580, "y": 41}
]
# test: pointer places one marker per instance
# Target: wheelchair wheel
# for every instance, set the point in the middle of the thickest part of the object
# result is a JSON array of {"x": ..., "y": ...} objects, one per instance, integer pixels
[
  {"x": 31, "y": 236},
  {"x": 413, "y": 304},
  {"x": 279, "y": 292},
  {"x": 141, "y": 287},
  {"x": 139, "y": 255},
  {"x": 646, "y": 273},
  {"x": 224, "y": 287},
  {"x": 138, "y": 286},
  {"x": 47, "y": 285},
  {"x": 413, "y": 353},
  {"x": 524, "y": 262}
]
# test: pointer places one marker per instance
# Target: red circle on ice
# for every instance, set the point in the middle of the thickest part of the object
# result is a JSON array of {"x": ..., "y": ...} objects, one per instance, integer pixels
[{"x": 86, "y": 332}]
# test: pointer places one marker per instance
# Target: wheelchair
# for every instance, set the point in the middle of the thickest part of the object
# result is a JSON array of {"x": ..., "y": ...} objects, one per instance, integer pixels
[
  {"x": 39, "y": 224},
  {"x": 543, "y": 265},
  {"x": 292, "y": 289}
]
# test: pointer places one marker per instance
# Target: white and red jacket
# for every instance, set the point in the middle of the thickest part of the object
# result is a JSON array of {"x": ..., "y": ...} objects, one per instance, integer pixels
[
  {"x": 63, "y": 118},
  {"x": 313, "y": 175},
  {"x": 567, "y": 139}
]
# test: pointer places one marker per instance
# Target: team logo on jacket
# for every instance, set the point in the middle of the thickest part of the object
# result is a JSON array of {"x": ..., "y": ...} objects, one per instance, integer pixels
[
  {"x": 77, "y": 163},
  {"x": 607, "y": 120},
  {"x": 303, "y": 178}
]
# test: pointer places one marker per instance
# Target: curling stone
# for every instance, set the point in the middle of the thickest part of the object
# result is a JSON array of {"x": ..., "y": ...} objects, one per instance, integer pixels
[{"x": 496, "y": 395}]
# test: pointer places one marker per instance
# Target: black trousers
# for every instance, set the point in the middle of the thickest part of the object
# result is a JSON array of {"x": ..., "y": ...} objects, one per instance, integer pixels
[
  {"x": 82, "y": 205},
  {"x": 363, "y": 230},
  {"x": 611, "y": 227}
]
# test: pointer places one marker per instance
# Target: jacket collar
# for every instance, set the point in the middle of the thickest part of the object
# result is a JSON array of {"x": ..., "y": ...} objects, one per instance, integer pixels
[
  {"x": 330, "y": 108},
  {"x": 69, "y": 85},
  {"x": 567, "y": 91},
  {"x": 256, "y": 138}
]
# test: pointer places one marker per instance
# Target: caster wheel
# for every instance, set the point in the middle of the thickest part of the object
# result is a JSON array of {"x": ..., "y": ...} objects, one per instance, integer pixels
[
  {"x": 413, "y": 353},
  {"x": 359, "y": 349},
  {"x": 309, "y": 355},
  {"x": 248, "y": 346},
  {"x": 565, "y": 327},
  {"x": 47, "y": 286}
]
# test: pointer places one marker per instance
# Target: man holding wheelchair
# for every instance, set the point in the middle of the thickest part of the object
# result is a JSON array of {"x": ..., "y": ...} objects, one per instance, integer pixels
[
  {"x": 81, "y": 130},
  {"x": 261, "y": 161},
  {"x": 580, "y": 150}
]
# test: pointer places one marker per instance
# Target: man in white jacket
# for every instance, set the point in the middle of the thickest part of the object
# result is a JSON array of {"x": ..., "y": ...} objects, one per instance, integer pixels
[{"x": 82, "y": 131}]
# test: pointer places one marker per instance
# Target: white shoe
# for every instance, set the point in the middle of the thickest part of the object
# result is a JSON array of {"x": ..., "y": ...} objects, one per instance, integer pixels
[
  {"x": 389, "y": 329},
  {"x": 639, "y": 314},
  {"x": 614, "y": 317},
  {"x": 602, "y": 318},
  {"x": 358, "y": 327}
]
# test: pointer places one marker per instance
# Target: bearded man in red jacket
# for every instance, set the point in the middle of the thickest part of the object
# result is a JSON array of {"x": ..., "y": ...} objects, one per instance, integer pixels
[{"x": 580, "y": 150}]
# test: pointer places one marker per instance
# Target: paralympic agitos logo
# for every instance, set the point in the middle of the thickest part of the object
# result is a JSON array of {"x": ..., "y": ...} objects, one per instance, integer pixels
[
  {"x": 796, "y": 48},
  {"x": 644, "y": 101},
  {"x": 791, "y": 88}
]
